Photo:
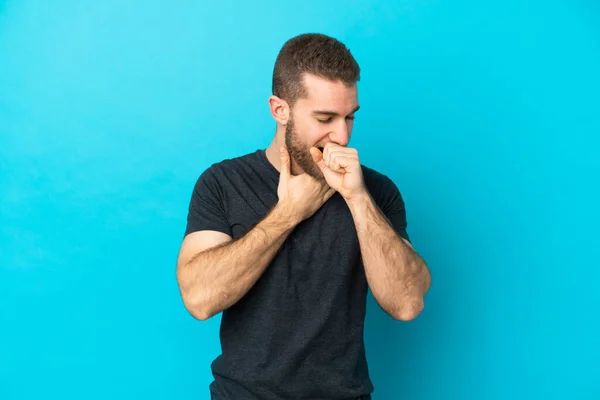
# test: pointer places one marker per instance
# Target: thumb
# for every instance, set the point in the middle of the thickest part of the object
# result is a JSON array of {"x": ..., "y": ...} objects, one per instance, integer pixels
[
  {"x": 285, "y": 163},
  {"x": 317, "y": 157}
]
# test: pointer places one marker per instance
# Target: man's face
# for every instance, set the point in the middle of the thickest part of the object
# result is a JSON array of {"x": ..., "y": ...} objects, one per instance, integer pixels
[{"x": 325, "y": 115}]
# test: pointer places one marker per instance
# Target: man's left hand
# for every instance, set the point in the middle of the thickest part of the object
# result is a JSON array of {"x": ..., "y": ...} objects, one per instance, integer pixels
[{"x": 341, "y": 168}]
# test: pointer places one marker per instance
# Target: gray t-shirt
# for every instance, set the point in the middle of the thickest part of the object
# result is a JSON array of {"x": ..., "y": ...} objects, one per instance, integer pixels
[{"x": 298, "y": 332}]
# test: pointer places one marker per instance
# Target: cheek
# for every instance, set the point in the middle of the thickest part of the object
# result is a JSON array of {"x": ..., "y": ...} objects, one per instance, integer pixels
[{"x": 311, "y": 132}]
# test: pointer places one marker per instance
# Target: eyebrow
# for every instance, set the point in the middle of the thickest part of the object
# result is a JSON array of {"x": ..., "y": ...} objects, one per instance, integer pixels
[{"x": 333, "y": 113}]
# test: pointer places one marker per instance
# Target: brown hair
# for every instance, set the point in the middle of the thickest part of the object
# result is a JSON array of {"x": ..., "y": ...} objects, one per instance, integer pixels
[{"x": 316, "y": 54}]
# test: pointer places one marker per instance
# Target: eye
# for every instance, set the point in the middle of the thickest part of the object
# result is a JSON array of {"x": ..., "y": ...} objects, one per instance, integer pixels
[
  {"x": 350, "y": 118},
  {"x": 325, "y": 121}
]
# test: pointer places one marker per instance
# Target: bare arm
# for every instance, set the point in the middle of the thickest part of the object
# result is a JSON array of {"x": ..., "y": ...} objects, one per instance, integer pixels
[
  {"x": 397, "y": 275},
  {"x": 214, "y": 272}
]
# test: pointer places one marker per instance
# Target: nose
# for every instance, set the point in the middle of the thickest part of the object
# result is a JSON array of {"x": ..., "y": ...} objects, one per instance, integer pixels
[{"x": 341, "y": 134}]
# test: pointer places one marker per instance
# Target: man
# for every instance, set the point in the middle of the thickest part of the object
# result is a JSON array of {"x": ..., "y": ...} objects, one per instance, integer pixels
[{"x": 286, "y": 241}]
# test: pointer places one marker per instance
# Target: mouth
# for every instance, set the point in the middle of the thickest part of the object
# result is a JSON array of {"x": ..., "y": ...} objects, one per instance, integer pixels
[{"x": 320, "y": 148}]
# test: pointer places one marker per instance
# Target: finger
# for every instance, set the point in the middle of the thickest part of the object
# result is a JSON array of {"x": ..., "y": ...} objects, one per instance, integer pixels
[
  {"x": 346, "y": 151},
  {"x": 342, "y": 163},
  {"x": 330, "y": 146},
  {"x": 328, "y": 149},
  {"x": 317, "y": 157},
  {"x": 331, "y": 156},
  {"x": 285, "y": 172}
]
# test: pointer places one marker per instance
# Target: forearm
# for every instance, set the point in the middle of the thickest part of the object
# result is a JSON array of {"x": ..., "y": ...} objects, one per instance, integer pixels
[
  {"x": 215, "y": 279},
  {"x": 396, "y": 274}
]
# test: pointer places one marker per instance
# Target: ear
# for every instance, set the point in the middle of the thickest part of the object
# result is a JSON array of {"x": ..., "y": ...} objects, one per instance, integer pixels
[{"x": 280, "y": 110}]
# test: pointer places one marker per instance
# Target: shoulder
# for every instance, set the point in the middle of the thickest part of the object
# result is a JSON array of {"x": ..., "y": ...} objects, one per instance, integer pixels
[
  {"x": 377, "y": 181},
  {"x": 233, "y": 163},
  {"x": 237, "y": 175},
  {"x": 220, "y": 170},
  {"x": 382, "y": 188}
]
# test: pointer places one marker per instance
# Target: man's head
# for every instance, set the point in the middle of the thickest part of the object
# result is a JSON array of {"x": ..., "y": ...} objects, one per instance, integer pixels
[{"x": 314, "y": 95}]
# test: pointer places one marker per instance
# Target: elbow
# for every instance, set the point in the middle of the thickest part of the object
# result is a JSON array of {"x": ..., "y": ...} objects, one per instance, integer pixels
[
  {"x": 201, "y": 315},
  {"x": 198, "y": 310},
  {"x": 409, "y": 310},
  {"x": 196, "y": 305},
  {"x": 427, "y": 281}
]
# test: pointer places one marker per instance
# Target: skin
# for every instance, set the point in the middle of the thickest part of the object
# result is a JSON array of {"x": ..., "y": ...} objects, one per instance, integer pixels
[
  {"x": 310, "y": 151},
  {"x": 398, "y": 277}
]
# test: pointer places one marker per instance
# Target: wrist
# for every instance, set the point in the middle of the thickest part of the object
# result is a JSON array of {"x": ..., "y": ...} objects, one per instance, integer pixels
[
  {"x": 359, "y": 201},
  {"x": 285, "y": 215},
  {"x": 363, "y": 210}
]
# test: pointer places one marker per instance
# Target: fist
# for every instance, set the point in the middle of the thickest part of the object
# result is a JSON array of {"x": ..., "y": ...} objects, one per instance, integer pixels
[
  {"x": 302, "y": 195},
  {"x": 341, "y": 169}
]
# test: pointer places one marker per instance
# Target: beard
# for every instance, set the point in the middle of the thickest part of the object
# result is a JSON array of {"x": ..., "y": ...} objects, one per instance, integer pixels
[{"x": 300, "y": 152}]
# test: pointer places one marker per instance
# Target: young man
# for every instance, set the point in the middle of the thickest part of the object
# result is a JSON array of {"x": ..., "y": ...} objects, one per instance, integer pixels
[{"x": 286, "y": 241}]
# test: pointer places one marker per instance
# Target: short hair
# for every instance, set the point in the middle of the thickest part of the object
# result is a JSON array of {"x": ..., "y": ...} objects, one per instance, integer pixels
[{"x": 316, "y": 54}]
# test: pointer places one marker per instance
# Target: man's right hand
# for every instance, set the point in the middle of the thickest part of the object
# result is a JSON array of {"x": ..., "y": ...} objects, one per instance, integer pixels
[{"x": 302, "y": 195}]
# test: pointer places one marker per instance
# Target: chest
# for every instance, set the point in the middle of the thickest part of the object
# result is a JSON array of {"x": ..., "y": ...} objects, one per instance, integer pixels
[
  {"x": 331, "y": 227},
  {"x": 319, "y": 263}
]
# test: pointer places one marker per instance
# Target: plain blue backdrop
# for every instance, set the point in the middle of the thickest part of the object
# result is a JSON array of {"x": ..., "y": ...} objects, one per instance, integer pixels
[{"x": 485, "y": 114}]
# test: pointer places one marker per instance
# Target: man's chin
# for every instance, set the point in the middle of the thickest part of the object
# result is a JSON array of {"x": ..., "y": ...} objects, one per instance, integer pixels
[
  {"x": 312, "y": 170},
  {"x": 315, "y": 172}
]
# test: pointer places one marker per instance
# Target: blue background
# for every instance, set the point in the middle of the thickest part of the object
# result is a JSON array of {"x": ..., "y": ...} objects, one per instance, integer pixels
[{"x": 486, "y": 115}]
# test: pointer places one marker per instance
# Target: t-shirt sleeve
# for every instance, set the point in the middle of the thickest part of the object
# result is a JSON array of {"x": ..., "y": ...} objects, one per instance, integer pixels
[
  {"x": 394, "y": 209},
  {"x": 206, "y": 209}
]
